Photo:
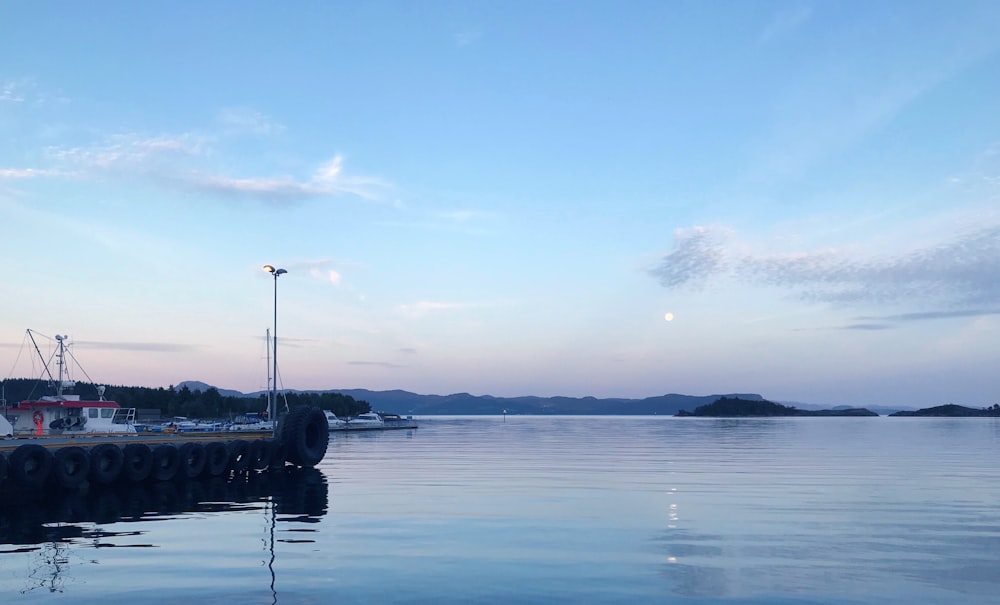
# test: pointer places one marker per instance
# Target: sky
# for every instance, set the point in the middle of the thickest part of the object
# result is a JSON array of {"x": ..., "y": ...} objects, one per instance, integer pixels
[{"x": 508, "y": 198}]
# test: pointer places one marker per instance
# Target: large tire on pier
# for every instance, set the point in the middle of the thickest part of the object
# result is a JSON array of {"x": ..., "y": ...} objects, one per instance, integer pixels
[
  {"x": 30, "y": 465},
  {"x": 239, "y": 455},
  {"x": 3, "y": 466},
  {"x": 192, "y": 455},
  {"x": 138, "y": 463},
  {"x": 70, "y": 466},
  {"x": 106, "y": 462},
  {"x": 216, "y": 458},
  {"x": 306, "y": 436},
  {"x": 166, "y": 462},
  {"x": 259, "y": 455}
]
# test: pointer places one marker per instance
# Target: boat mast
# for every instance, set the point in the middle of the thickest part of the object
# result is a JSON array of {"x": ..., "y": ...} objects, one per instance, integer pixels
[
  {"x": 61, "y": 362},
  {"x": 267, "y": 345}
]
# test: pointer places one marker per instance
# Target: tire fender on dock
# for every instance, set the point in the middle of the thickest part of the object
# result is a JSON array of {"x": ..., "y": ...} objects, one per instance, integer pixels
[
  {"x": 192, "y": 455},
  {"x": 138, "y": 462},
  {"x": 30, "y": 465},
  {"x": 106, "y": 462},
  {"x": 216, "y": 458},
  {"x": 278, "y": 454},
  {"x": 259, "y": 454},
  {"x": 70, "y": 466},
  {"x": 239, "y": 455},
  {"x": 166, "y": 462},
  {"x": 3, "y": 466}
]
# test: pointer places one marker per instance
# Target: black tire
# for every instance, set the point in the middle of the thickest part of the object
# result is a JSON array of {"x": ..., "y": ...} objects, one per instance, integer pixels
[
  {"x": 239, "y": 455},
  {"x": 278, "y": 455},
  {"x": 106, "y": 462},
  {"x": 216, "y": 458},
  {"x": 166, "y": 462},
  {"x": 3, "y": 466},
  {"x": 30, "y": 465},
  {"x": 259, "y": 455},
  {"x": 70, "y": 467},
  {"x": 138, "y": 463},
  {"x": 192, "y": 455},
  {"x": 306, "y": 436}
]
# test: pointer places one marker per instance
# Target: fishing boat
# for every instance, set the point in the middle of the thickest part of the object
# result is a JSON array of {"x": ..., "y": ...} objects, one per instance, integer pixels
[{"x": 66, "y": 413}]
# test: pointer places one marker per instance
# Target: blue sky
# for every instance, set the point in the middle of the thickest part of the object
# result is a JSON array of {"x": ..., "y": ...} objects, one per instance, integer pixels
[{"x": 508, "y": 198}]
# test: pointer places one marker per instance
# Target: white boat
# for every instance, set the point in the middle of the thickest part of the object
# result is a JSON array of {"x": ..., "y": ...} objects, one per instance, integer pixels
[
  {"x": 333, "y": 420},
  {"x": 361, "y": 422},
  {"x": 250, "y": 423},
  {"x": 369, "y": 421},
  {"x": 65, "y": 413}
]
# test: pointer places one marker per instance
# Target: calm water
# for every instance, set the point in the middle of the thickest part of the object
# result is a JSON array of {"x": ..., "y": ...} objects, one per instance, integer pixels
[{"x": 550, "y": 510}]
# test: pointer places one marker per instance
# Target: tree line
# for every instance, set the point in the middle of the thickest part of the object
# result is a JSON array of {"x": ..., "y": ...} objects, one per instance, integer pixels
[{"x": 170, "y": 401}]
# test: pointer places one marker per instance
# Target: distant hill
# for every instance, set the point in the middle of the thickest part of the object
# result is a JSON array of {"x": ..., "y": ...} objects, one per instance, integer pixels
[
  {"x": 736, "y": 407},
  {"x": 195, "y": 385},
  {"x": 461, "y": 404},
  {"x": 953, "y": 411}
]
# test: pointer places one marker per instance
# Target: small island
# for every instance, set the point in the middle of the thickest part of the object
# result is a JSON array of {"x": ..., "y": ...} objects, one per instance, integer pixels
[
  {"x": 953, "y": 411},
  {"x": 734, "y": 407}
]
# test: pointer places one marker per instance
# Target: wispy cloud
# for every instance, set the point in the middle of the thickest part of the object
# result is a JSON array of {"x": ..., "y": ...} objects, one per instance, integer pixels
[
  {"x": 30, "y": 173},
  {"x": 961, "y": 273},
  {"x": 422, "y": 308},
  {"x": 161, "y": 157},
  {"x": 931, "y": 315},
  {"x": 866, "y": 327},
  {"x": 12, "y": 92},
  {"x": 327, "y": 181},
  {"x": 322, "y": 269},
  {"x": 698, "y": 252},
  {"x": 153, "y": 347},
  {"x": 247, "y": 121},
  {"x": 130, "y": 151},
  {"x": 381, "y": 364}
]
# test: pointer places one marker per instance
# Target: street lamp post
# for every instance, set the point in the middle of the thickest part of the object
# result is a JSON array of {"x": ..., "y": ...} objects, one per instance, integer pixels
[{"x": 273, "y": 395}]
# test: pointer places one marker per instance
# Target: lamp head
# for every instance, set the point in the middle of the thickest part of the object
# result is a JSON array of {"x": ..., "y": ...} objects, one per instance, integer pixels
[{"x": 269, "y": 268}]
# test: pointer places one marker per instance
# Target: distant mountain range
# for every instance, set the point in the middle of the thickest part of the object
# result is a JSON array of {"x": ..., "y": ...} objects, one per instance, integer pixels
[{"x": 405, "y": 402}]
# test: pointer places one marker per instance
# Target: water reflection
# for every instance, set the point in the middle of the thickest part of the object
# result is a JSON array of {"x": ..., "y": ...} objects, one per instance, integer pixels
[
  {"x": 39, "y": 516},
  {"x": 45, "y": 523}
]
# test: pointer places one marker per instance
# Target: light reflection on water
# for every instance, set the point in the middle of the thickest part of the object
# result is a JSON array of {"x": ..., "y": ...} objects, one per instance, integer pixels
[{"x": 562, "y": 509}]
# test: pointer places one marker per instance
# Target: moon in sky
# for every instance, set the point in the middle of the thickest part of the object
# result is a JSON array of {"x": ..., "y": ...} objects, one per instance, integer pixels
[{"x": 669, "y": 317}]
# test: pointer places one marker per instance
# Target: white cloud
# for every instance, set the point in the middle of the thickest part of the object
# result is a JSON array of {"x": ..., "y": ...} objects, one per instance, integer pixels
[
  {"x": 131, "y": 151},
  {"x": 321, "y": 270},
  {"x": 326, "y": 181},
  {"x": 29, "y": 173},
  {"x": 12, "y": 92},
  {"x": 961, "y": 272},
  {"x": 247, "y": 121}
]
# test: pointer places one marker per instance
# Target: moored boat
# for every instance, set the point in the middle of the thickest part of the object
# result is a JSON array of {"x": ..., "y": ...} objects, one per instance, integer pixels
[
  {"x": 250, "y": 422},
  {"x": 370, "y": 421},
  {"x": 65, "y": 413}
]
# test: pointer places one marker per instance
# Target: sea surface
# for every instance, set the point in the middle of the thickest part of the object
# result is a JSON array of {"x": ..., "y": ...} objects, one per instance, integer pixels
[{"x": 548, "y": 510}]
